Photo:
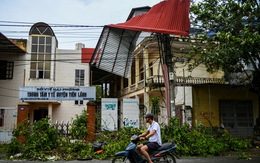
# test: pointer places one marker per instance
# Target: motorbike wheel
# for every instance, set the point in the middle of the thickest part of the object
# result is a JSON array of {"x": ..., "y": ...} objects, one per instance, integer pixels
[
  {"x": 168, "y": 158},
  {"x": 121, "y": 159}
]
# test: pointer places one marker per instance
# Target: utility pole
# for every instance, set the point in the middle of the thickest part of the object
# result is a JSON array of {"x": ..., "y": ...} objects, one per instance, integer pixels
[
  {"x": 168, "y": 60},
  {"x": 170, "y": 64}
]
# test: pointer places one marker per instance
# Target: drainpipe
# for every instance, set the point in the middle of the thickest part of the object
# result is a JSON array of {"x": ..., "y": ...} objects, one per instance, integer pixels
[{"x": 184, "y": 100}]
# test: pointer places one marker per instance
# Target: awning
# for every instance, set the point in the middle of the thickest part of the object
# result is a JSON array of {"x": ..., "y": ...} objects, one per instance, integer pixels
[
  {"x": 8, "y": 47},
  {"x": 114, "y": 51}
]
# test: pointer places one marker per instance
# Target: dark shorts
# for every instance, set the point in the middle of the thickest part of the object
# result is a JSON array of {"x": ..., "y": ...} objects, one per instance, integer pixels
[{"x": 152, "y": 146}]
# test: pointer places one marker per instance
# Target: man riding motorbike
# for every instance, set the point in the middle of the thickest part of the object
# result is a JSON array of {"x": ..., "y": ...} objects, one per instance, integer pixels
[{"x": 153, "y": 134}]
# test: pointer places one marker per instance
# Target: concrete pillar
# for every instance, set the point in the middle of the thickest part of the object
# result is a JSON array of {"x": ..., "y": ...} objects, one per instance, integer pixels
[
  {"x": 50, "y": 111},
  {"x": 91, "y": 115}
]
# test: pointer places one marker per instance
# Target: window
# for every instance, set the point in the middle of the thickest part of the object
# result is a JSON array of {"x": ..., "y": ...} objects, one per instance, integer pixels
[
  {"x": 141, "y": 69},
  {"x": 125, "y": 82},
  {"x": 6, "y": 70},
  {"x": 79, "y": 81},
  {"x": 40, "y": 57},
  {"x": 133, "y": 72},
  {"x": 141, "y": 74},
  {"x": 78, "y": 102},
  {"x": 1, "y": 117},
  {"x": 79, "y": 77},
  {"x": 151, "y": 69}
]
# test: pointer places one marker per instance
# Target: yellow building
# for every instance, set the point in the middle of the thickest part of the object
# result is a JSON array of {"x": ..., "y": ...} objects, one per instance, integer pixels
[
  {"x": 135, "y": 65},
  {"x": 200, "y": 97}
]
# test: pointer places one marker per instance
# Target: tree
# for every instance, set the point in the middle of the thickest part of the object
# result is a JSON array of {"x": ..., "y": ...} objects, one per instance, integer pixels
[
  {"x": 230, "y": 33},
  {"x": 98, "y": 92},
  {"x": 155, "y": 103},
  {"x": 79, "y": 126}
]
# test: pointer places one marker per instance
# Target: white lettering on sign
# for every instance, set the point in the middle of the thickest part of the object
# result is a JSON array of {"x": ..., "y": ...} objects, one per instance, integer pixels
[{"x": 57, "y": 93}]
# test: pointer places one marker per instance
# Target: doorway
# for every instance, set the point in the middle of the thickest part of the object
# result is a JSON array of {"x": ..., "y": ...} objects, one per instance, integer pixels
[
  {"x": 40, "y": 113},
  {"x": 237, "y": 117}
]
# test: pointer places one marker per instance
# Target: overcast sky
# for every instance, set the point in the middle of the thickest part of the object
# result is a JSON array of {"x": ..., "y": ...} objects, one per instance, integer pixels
[{"x": 17, "y": 15}]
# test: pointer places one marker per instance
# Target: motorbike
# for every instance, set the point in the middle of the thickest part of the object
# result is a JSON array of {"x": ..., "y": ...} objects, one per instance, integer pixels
[
  {"x": 98, "y": 147},
  {"x": 166, "y": 153}
]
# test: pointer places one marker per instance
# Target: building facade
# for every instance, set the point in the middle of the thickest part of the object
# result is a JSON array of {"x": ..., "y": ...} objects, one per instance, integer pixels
[
  {"x": 50, "y": 66},
  {"x": 196, "y": 97},
  {"x": 44, "y": 65},
  {"x": 199, "y": 97},
  {"x": 11, "y": 77}
]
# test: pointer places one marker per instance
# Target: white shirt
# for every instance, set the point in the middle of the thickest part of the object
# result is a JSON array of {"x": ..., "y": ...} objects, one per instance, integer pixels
[{"x": 157, "y": 136}]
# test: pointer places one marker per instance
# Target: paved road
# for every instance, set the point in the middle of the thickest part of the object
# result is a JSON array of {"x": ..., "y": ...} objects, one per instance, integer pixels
[{"x": 182, "y": 160}]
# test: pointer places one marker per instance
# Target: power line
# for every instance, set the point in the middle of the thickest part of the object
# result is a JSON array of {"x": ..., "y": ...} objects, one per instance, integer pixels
[
  {"x": 29, "y": 24},
  {"x": 66, "y": 33},
  {"x": 8, "y": 96}
]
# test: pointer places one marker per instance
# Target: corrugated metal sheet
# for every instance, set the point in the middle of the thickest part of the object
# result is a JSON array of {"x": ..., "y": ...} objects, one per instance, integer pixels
[
  {"x": 167, "y": 17},
  {"x": 113, "y": 52}
]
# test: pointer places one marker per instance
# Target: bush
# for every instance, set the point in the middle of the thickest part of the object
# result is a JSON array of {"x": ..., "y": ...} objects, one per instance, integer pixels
[
  {"x": 33, "y": 140},
  {"x": 78, "y": 129},
  {"x": 3, "y": 150},
  {"x": 117, "y": 141},
  {"x": 42, "y": 141},
  {"x": 201, "y": 141}
]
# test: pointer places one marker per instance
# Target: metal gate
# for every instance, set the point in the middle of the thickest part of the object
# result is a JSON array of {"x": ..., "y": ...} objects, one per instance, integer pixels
[
  {"x": 8, "y": 120},
  {"x": 237, "y": 117}
]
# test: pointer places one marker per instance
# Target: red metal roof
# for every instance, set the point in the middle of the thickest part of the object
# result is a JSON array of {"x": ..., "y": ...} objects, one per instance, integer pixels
[
  {"x": 167, "y": 17},
  {"x": 86, "y": 54},
  {"x": 114, "y": 50}
]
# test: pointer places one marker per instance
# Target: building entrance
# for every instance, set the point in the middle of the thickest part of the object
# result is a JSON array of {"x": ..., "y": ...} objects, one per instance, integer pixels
[
  {"x": 40, "y": 113},
  {"x": 237, "y": 117}
]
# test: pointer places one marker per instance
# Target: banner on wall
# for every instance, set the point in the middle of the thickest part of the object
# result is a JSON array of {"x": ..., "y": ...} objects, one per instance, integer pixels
[
  {"x": 131, "y": 113},
  {"x": 109, "y": 117}
]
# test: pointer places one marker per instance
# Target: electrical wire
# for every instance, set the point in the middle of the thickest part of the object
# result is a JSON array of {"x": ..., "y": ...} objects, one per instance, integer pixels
[
  {"x": 76, "y": 32},
  {"x": 29, "y": 24}
]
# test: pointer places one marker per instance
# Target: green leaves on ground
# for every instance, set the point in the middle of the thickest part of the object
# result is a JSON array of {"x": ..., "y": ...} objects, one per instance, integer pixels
[
  {"x": 43, "y": 142},
  {"x": 202, "y": 141}
]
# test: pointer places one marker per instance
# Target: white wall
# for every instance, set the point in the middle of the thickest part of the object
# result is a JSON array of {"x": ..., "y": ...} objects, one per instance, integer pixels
[
  {"x": 183, "y": 95},
  {"x": 9, "y": 89},
  {"x": 67, "y": 61},
  {"x": 65, "y": 76},
  {"x": 63, "y": 67}
]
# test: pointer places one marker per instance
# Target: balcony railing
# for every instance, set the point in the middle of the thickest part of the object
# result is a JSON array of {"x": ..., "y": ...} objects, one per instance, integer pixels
[
  {"x": 196, "y": 80},
  {"x": 132, "y": 88},
  {"x": 157, "y": 81},
  {"x": 141, "y": 84},
  {"x": 124, "y": 91}
]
